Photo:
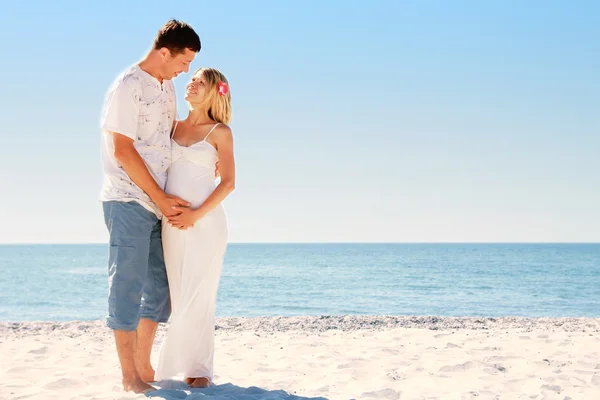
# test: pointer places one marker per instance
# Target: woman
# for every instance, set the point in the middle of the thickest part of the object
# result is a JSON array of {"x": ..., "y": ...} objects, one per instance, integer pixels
[{"x": 195, "y": 241}]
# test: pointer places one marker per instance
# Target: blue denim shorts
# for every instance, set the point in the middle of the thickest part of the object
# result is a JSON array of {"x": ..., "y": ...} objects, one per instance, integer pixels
[{"x": 137, "y": 276}]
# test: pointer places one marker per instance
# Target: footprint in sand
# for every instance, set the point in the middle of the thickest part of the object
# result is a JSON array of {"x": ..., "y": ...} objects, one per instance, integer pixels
[
  {"x": 542, "y": 364},
  {"x": 500, "y": 367},
  {"x": 574, "y": 381},
  {"x": 349, "y": 365},
  {"x": 13, "y": 387},
  {"x": 495, "y": 369},
  {"x": 323, "y": 389},
  {"x": 41, "y": 350},
  {"x": 514, "y": 385},
  {"x": 593, "y": 356},
  {"x": 589, "y": 365},
  {"x": 499, "y": 359},
  {"x": 458, "y": 367},
  {"x": 580, "y": 372},
  {"x": 490, "y": 348},
  {"x": 18, "y": 370},
  {"x": 388, "y": 394},
  {"x": 264, "y": 369},
  {"x": 595, "y": 380},
  {"x": 552, "y": 388},
  {"x": 63, "y": 383},
  {"x": 395, "y": 375}
]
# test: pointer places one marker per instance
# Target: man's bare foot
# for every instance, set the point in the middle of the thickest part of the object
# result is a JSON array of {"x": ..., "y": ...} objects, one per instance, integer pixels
[
  {"x": 147, "y": 374},
  {"x": 136, "y": 385},
  {"x": 200, "y": 383}
]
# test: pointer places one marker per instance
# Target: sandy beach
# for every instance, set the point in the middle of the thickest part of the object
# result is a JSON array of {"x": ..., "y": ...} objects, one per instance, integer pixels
[{"x": 341, "y": 357}]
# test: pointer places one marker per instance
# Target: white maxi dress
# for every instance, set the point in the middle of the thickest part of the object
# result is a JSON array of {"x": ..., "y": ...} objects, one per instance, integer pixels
[{"x": 194, "y": 260}]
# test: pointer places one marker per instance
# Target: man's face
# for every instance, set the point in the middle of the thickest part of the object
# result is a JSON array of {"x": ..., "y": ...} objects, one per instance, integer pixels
[{"x": 174, "y": 64}]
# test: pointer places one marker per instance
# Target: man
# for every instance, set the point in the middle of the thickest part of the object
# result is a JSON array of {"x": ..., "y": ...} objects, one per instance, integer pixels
[{"x": 139, "y": 114}]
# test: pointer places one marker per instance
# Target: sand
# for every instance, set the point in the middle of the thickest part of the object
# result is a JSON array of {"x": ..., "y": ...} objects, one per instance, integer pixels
[{"x": 336, "y": 357}]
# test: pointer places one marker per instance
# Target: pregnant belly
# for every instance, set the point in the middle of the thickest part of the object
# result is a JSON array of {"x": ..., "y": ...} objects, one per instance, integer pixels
[{"x": 190, "y": 188}]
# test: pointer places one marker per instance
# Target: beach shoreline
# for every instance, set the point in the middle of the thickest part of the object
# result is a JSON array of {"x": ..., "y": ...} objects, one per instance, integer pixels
[
  {"x": 333, "y": 322},
  {"x": 326, "y": 357}
]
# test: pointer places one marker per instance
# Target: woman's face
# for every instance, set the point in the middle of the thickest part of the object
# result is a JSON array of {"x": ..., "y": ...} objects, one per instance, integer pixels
[{"x": 196, "y": 89}]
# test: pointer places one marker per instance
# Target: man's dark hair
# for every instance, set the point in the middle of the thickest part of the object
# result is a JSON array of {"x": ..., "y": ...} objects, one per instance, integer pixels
[{"x": 177, "y": 36}]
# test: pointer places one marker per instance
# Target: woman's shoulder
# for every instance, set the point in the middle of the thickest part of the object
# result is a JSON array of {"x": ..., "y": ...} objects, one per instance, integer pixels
[
  {"x": 222, "y": 127},
  {"x": 222, "y": 134}
]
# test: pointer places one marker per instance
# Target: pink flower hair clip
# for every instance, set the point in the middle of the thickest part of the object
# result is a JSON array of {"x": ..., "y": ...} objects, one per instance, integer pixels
[{"x": 223, "y": 88}]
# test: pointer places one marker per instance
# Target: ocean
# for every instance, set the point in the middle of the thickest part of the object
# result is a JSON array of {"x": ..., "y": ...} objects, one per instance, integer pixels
[{"x": 69, "y": 282}]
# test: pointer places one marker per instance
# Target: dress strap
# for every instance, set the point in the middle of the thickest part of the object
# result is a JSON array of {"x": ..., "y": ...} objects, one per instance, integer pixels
[
  {"x": 174, "y": 128},
  {"x": 211, "y": 129}
]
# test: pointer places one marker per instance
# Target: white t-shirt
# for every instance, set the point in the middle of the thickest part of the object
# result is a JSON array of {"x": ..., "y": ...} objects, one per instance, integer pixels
[{"x": 139, "y": 107}]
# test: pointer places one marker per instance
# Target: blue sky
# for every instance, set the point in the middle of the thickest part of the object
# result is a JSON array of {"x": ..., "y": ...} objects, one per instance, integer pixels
[{"x": 408, "y": 121}]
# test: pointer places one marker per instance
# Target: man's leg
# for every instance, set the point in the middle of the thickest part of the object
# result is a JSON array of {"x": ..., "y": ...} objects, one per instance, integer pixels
[
  {"x": 129, "y": 225},
  {"x": 126, "y": 343},
  {"x": 146, "y": 332},
  {"x": 156, "y": 305}
]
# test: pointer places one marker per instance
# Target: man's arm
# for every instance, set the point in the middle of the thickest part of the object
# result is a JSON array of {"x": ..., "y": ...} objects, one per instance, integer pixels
[
  {"x": 121, "y": 120},
  {"x": 134, "y": 166}
]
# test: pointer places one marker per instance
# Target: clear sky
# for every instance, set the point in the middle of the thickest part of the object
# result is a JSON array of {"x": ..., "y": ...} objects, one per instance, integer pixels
[{"x": 408, "y": 121}]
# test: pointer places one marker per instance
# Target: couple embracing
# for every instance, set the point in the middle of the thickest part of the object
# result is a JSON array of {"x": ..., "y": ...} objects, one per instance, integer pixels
[{"x": 162, "y": 208}]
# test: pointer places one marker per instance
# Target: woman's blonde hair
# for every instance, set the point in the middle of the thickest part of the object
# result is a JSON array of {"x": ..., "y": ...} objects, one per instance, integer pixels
[{"x": 218, "y": 105}]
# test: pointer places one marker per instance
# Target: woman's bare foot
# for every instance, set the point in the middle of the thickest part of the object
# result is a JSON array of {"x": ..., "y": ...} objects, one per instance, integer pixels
[
  {"x": 189, "y": 381},
  {"x": 136, "y": 385},
  {"x": 200, "y": 383}
]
